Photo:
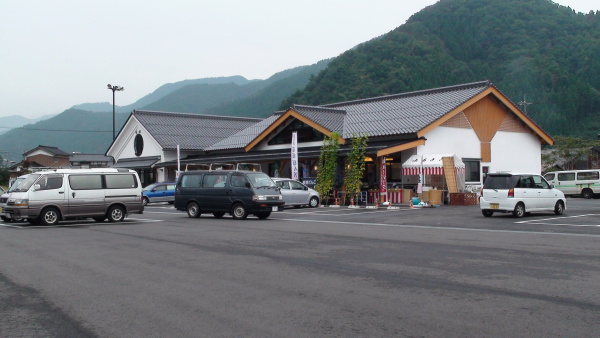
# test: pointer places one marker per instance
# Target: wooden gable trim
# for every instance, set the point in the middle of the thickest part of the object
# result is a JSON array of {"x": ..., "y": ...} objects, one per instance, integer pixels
[
  {"x": 280, "y": 120},
  {"x": 453, "y": 112},
  {"x": 402, "y": 147},
  {"x": 491, "y": 90}
]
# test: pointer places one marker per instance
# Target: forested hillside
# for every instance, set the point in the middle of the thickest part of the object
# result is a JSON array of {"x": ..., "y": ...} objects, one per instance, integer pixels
[{"x": 532, "y": 49}]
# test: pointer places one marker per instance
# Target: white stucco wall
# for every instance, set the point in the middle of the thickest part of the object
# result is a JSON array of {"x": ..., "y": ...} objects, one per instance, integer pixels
[
  {"x": 444, "y": 140},
  {"x": 516, "y": 152},
  {"x": 123, "y": 147}
]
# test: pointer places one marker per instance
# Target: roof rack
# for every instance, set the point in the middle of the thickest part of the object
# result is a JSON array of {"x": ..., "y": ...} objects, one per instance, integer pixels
[
  {"x": 221, "y": 166},
  {"x": 200, "y": 166}
]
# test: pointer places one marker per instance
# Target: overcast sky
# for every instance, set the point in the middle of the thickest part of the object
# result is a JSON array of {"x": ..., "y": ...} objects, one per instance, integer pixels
[{"x": 59, "y": 53}]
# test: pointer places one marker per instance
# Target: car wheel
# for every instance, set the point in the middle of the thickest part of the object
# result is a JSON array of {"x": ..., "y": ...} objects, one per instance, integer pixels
[
  {"x": 50, "y": 216},
  {"x": 559, "y": 208},
  {"x": 145, "y": 201},
  {"x": 5, "y": 219},
  {"x": 238, "y": 211},
  {"x": 193, "y": 210},
  {"x": 263, "y": 215},
  {"x": 314, "y": 202},
  {"x": 116, "y": 214},
  {"x": 587, "y": 194},
  {"x": 34, "y": 221},
  {"x": 487, "y": 213},
  {"x": 219, "y": 214},
  {"x": 519, "y": 210},
  {"x": 99, "y": 219}
]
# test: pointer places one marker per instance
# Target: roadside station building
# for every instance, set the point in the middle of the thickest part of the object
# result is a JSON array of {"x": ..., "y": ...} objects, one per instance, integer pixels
[{"x": 474, "y": 121}]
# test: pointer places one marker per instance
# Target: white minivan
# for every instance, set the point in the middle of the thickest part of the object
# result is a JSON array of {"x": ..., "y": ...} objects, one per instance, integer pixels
[
  {"x": 48, "y": 197},
  {"x": 520, "y": 194},
  {"x": 4, "y": 198},
  {"x": 585, "y": 183}
]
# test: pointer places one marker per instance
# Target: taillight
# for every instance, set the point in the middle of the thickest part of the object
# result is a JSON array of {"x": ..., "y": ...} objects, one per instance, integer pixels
[{"x": 511, "y": 193}]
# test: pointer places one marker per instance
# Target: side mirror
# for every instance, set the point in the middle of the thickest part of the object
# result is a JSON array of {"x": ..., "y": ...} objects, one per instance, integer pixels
[
  {"x": 36, "y": 187},
  {"x": 551, "y": 186},
  {"x": 247, "y": 185}
]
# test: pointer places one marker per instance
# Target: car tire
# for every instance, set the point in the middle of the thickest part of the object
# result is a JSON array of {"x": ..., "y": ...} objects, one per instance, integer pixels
[
  {"x": 33, "y": 221},
  {"x": 263, "y": 215},
  {"x": 587, "y": 194},
  {"x": 5, "y": 219},
  {"x": 219, "y": 214},
  {"x": 519, "y": 211},
  {"x": 49, "y": 216},
  {"x": 145, "y": 201},
  {"x": 313, "y": 202},
  {"x": 238, "y": 211},
  {"x": 193, "y": 210},
  {"x": 487, "y": 213},
  {"x": 559, "y": 208},
  {"x": 99, "y": 219},
  {"x": 115, "y": 214}
]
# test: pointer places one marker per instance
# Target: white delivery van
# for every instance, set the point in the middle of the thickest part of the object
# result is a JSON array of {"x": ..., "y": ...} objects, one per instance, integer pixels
[
  {"x": 4, "y": 198},
  {"x": 48, "y": 197},
  {"x": 585, "y": 183}
]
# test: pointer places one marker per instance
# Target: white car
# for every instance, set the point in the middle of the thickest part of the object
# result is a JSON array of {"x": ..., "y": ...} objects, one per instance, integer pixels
[
  {"x": 297, "y": 194},
  {"x": 520, "y": 194}
]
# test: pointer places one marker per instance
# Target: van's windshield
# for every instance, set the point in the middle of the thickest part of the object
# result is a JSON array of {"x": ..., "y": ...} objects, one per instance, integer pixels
[
  {"x": 27, "y": 183},
  {"x": 261, "y": 180},
  {"x": 16, "y": 184}
]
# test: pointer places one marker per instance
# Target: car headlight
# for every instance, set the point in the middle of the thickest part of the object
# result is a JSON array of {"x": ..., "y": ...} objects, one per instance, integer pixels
[
  {"x": 259, "y": 198},
  {"x": 23, "y": 202}
]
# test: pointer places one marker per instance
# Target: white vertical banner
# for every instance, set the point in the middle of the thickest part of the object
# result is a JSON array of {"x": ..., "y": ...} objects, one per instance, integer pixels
[
  {"x": 294, "y": 164},
  {"x": 178, "y": 163},
  {"x": 383, "y": 179}
]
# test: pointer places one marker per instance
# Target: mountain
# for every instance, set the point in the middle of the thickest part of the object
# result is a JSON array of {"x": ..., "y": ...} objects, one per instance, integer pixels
[
  {"x": 15, "y": 121},
  {"x": 534, "y": 51},
  {"x": 90, "y": 129}
]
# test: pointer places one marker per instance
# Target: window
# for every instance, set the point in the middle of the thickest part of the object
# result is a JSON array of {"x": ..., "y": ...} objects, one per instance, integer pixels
[
  {"x": 85, "y": 182},
  {"x": 238, "y": 181},
  {"x": 472, "y": 171},
  {"x": 191, "y": 181},
  {"x": 549, "y": 177},
  {"x": 50, "y": 182},
  {"x": 588, "y": 175},
  {"x": 296, "y": 186},
  {"x": 566, "y": 176},
  {"x": 540, "y": 183},
  {"x": 160, "y": 188},
  {"x": 120, "y": 181},
  {"x": 283, "y": 184},
  {"x": 214, "y": 181}
]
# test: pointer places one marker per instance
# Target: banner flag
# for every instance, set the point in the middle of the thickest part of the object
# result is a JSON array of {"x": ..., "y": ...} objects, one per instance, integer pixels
[{"x": 294, "y": 164}]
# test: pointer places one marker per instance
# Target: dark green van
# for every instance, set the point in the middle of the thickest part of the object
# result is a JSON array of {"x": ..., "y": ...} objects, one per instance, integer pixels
[{"x": 239, "y": 193}]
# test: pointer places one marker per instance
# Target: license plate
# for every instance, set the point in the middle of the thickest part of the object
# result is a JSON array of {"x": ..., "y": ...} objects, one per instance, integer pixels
[
  {"x": 494, "y": 205},
  {"x": 275, "y": 208}
]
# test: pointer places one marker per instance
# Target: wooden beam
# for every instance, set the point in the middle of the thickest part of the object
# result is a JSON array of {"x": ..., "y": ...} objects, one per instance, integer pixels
[{"x": 401, "y": 147}]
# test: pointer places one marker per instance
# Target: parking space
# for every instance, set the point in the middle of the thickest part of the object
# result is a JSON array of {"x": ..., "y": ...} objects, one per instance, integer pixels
[{"x": 585, "y": 220}]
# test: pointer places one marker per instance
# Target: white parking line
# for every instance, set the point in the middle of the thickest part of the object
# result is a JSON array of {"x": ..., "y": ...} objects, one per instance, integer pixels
[
  {"x": 410, "y": 226},
  {"x": 542, "y": 221}
]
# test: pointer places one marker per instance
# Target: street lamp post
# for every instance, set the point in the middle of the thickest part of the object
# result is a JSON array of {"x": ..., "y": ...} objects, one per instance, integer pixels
[{"x": 114, "y": 89}]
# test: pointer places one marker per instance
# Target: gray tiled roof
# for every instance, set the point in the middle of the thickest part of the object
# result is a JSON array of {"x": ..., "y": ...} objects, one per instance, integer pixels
[
  {"x": 244, "y": 137},
  {"x": 52, "y": 150},
  {"x": 191, "y": 131},
  {"x": 80, "y": 157},
  {"x": 404, "y": 113},
  {"x": 138, "y": 162},
  {"x": 331, "y": 119}
]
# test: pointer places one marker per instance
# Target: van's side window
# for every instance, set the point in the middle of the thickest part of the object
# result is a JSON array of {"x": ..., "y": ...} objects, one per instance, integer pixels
[
  {"x": 238, "y": 181},
  {"x": 85, "y": 182},
  {"x": 566, "y": 176},
  {"x": 120, "y": 181},
  {"x": 588, "y": 175},
  {"x": 191, "y": 181},
  {"x": 214, "y": 181},
  {"x": 49, "y": 182}
]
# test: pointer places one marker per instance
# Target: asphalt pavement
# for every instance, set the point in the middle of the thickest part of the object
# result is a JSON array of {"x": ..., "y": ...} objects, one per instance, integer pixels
[{"x": 306, "y": 272}]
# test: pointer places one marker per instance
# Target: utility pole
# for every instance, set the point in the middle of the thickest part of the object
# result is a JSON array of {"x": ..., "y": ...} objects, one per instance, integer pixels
[
  {"x": 114, "y": 89},
  {"x": 524, "y": 104}
]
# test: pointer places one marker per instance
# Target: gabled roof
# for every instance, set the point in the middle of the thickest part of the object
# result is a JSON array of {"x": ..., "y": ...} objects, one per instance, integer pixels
[
  {"x": 52, "y": 150},
  {"x": 190, "y": 131},
  {"x": 328, "y": 118},
  {"x": 243, "y": 137}
]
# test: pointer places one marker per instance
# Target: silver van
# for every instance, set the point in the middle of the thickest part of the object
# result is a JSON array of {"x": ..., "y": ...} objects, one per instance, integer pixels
[{"x": 51, "y": 196}]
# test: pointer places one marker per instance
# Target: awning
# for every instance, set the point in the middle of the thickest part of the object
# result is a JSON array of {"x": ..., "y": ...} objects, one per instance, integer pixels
[
  {"x": 430, "y": 164},
  {"x": 137, "y": 163}
]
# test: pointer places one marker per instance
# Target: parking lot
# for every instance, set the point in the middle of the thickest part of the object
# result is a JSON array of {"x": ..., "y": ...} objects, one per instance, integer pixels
[{"x": 445, "y": 271}]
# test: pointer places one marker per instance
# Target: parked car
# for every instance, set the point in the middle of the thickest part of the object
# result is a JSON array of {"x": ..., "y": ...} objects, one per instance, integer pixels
[
  {"x": 585, "y": 183},
  {"x": 48, "y": 197},
  {"x": 520, "y": 194},
  {"x": 159, "y": 192},
  {"x": 297, "y": 194},
  {"x": 238, "y": 193}
]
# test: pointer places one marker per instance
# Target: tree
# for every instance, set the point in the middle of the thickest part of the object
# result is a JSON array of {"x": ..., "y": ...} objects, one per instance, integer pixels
[
  {"x": 355, "y": 166},
  {"x": 327, "y": 165},
  {"x": 567, "y": 151}
]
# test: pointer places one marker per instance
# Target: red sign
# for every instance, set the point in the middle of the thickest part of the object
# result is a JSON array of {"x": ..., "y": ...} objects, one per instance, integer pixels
[{"x": 383, "y": 177}]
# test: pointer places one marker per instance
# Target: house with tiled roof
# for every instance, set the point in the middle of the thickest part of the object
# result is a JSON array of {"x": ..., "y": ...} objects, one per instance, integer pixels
[
  {"x": 474, "y": 121},
  {"x": 151, "y": 137}
]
